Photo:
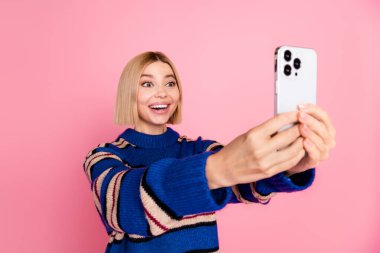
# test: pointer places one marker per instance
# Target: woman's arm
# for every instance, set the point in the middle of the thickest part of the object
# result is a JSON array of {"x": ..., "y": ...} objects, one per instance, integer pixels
[
  {"x": 263, "y": 190},
  {"x": 257, "y": 154},
  {"x": 274, "y": 162},
  {"x": 151, "y": 200}
]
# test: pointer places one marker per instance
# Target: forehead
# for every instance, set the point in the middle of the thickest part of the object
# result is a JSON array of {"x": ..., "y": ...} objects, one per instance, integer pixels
[{"x": 158, "y": 69}]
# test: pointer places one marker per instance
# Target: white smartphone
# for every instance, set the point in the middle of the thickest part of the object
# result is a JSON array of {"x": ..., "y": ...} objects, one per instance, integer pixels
[{"x": 295, "y": 78}]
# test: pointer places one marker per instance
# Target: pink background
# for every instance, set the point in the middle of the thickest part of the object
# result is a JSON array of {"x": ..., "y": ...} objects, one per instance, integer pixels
[{"x": 60, "y": 64}]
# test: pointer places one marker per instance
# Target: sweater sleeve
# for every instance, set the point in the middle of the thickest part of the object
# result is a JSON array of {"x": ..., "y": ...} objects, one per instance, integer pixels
[
  {"x": 282, "y": 183},
  {"x": 147, "y": 201},
  {"x": 263, "y": 190}
]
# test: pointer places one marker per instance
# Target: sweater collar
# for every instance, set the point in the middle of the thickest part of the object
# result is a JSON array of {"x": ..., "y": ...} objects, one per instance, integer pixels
[{"x": 144, "y": 140}]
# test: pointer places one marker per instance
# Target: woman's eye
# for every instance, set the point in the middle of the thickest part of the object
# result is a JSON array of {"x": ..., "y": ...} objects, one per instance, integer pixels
[
  {"x": 146, "y": 84},
  {"x": 171, "y": 84}
]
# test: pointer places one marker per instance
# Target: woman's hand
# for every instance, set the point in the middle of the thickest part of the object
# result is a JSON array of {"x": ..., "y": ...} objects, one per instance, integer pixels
[
  {"x": 319, "y": 137},
  {"x": 257, "y": 154}
]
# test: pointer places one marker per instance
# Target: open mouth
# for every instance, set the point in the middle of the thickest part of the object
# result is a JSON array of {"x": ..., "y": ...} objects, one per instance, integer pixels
[{"x": 159, "y": 107}]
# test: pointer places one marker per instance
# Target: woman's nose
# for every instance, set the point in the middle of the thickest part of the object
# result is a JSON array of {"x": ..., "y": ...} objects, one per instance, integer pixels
[{"x": 161, "y": 91}]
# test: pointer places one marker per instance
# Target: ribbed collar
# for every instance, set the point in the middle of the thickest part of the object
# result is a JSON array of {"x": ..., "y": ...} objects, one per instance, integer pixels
[{"x": 140, "y": 139}]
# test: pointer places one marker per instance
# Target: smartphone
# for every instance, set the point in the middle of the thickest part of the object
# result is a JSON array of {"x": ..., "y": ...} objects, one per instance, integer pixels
[{"x": 295, "y": 78}]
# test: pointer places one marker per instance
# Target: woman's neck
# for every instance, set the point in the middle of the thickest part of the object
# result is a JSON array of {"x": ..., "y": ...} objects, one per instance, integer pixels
[
  {"x": 143, "y": 140},
  {"x": 152, "y": 130}
]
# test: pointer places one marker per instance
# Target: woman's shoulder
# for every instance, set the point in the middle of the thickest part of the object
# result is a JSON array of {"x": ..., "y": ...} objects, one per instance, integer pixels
[
  {"x": 201, "y": 144},
  {"x": 116, "y": 146}
]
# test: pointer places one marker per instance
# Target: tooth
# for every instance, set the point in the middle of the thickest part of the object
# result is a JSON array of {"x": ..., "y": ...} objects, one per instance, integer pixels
[{"x": 159, "y": 106}]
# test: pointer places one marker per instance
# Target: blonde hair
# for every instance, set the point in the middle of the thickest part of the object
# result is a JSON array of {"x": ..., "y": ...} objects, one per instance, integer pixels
[{"x": 126, "y": 98}]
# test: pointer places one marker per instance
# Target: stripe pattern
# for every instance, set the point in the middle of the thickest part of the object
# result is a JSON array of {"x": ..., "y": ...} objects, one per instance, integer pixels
[
  {"x": 122, "y": 143},
  {"x": 214, "y": 146},
  {"x": 162, "y": 220},
  {"x": 159, "y": 217},
  {"x": 117, "y": 237},
  {"x": 94, "y": 156},
  {"x": 112, "y": 192},
  {"x": 184, "y": 138},
  {"x": 235, "y": 189},
  {"x": 112, "y": 201},
  {"x": 96, "y": 188},
  {"x": 260, "y": 198},
  {"x": 238, "y": 195},
  {"x": 110, "y": 213}
]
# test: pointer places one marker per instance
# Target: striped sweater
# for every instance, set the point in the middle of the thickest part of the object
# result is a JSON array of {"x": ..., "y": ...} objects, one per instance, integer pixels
[{"x": 152, "y": 194}]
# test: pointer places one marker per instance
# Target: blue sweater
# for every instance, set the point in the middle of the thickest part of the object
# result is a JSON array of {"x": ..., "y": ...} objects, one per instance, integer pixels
[{"x": 152, "y": 194}]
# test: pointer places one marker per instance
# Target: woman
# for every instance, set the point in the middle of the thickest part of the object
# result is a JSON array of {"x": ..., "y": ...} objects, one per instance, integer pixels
[{"x": 157, "y": 191}]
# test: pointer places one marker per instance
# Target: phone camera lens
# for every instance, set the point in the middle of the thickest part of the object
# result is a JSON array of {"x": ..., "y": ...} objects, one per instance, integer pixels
[
  {"x": 287, "y": 70},
  {"x": 297, "y": 63},
  {"x": 287, "y": 55}
]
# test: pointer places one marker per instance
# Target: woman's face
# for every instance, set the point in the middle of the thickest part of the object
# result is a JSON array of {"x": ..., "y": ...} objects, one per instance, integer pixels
[{"x": 157, "y": 97}]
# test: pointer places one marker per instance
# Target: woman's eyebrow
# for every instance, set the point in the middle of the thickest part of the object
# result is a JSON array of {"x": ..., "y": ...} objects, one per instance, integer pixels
[
  {"x": 147, "y": 75},
  {"x": 169, "y": 75},
  {"x": 151, "y": 76}
]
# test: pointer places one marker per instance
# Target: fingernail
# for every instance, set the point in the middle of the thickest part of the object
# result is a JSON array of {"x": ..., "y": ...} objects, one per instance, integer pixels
[
  {"x": 303, "y": 116},
  {"x": 301, "y": 106}
]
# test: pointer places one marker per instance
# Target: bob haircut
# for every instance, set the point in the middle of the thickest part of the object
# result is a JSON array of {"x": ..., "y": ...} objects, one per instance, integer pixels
[{"x": 126, "y": 99}]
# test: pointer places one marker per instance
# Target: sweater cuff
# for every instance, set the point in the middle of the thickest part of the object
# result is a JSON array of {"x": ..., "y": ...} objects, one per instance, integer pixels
[
  {"x": 282, "y": 183},
  {"x": 180, "y": 187}
]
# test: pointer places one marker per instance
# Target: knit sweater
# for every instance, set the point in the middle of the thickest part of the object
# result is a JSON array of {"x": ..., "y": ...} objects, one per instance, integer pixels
[{"x": 152, "y": 194}]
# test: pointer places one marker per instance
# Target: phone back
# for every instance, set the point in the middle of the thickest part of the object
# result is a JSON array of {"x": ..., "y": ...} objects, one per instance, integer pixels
[{"x": 296, "y": 77}]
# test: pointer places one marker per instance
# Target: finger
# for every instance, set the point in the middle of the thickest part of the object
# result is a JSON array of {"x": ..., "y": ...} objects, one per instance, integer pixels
[
  {"x": 284, "y": 155},
  {"x": 272, "y": 125},
  {"x": 286, "y": 164},
  {"x": 283, "y": 139},
  {"x": 321, "y": 115},
  {"x": 315, "y": 139},
  {"x": 312, "y": 152},
  {"x": 317, "y": 127}
]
